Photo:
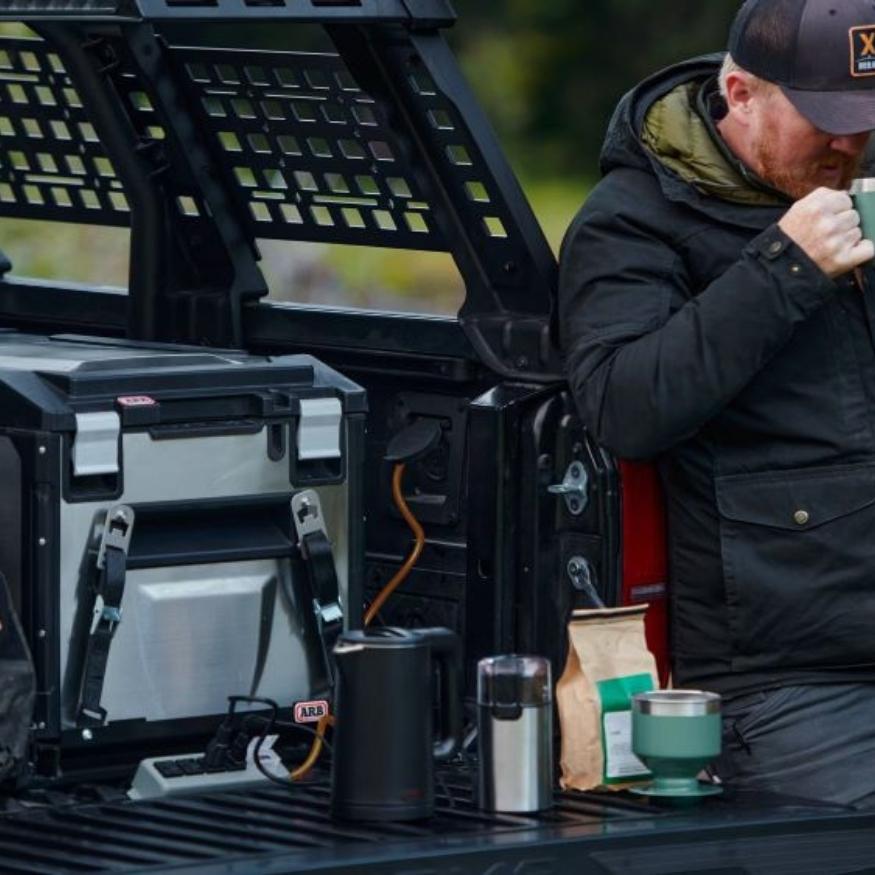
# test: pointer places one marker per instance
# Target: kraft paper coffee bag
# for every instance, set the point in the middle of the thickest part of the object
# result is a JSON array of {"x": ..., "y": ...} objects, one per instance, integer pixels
[{"x": 608, "y": 662}]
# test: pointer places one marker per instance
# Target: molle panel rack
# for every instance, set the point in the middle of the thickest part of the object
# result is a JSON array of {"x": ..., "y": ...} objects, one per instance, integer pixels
[
  {"x": 432, "y": 12},
  {"x": 55, "y": 167},
  {"x": 203, "y": 150},
  {"x": 308, "y": 154}
]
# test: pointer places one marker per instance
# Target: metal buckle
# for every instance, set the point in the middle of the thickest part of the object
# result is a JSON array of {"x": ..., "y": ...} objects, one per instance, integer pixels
[
  {"x": 111, "y": 615},
  {"x": 91, "y": 717},
  {"x": 330, "y": 613},
  {"x": 307, "y": 516},
  {"x": 117, "y": 530},
  {"x": 105, "y": 614}
]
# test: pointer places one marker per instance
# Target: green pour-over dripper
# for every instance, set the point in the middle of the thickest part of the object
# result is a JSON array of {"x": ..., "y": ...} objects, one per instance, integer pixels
[{"x": 676, "y": 733}]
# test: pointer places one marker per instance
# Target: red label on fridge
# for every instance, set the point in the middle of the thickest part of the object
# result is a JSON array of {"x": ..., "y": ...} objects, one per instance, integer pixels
[
  {"x": 310, "y": 712},
  {"x": 136, "y": 401}
]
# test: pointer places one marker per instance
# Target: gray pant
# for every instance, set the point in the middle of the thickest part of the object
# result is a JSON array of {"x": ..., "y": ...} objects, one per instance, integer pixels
[{"x": 816, "y": 742}]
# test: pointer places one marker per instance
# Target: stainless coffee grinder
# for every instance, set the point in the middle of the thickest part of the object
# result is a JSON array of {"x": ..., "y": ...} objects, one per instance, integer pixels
[{"x": 515, "y": 727}]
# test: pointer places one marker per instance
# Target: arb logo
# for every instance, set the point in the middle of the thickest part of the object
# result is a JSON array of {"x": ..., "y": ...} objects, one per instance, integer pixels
[
  {"x": 136, "y": 401},
  {"x": 310, "y": 712}
]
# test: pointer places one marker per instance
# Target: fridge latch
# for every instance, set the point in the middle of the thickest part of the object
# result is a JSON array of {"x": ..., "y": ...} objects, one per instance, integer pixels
[{"x": 95, "y": 446}]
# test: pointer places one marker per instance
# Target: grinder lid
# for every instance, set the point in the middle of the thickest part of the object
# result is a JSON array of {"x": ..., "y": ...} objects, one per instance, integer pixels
[{"x": 509, "y": 683}]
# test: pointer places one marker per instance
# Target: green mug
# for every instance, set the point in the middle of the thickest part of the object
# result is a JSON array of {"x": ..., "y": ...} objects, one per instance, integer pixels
[
  {"x": 863, "y": 196},
  {"x": 676, "y": 733}
]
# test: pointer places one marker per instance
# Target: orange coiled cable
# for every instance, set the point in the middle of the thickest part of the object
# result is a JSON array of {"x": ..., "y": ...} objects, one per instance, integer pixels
[
  {"x": 315, "y": 749},
  {"x": 405, "y": 569}
]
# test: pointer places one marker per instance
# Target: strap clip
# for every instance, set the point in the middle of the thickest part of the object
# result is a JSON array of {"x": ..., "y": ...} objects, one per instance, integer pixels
[{"x": 117, "y": 530}]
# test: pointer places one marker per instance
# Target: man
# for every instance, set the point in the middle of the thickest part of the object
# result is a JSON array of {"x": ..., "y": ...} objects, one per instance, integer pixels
[{"x": 717, "y": 311}]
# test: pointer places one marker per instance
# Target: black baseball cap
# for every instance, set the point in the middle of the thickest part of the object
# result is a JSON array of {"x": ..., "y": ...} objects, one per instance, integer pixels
[{"x": 820, "y": 52}]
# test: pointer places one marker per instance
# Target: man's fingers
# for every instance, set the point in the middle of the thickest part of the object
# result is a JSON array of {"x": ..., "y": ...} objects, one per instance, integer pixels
[
  {"x": 827, "y": 228},
  {"x": 862, "y": 252},
  {"x": 831, "y": 200},
  {"x": 848, "y": 219},
  {"x": 853, "y": 237}
]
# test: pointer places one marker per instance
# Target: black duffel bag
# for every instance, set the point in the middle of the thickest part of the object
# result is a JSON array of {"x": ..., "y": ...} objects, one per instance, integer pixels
[{"x": 17, "y": 688}]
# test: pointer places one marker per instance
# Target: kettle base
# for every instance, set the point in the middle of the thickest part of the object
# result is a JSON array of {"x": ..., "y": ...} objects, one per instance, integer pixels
[{"x": 381, "y": 813}]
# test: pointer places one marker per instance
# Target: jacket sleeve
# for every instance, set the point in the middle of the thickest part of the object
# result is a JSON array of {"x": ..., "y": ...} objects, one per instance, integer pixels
[{"x": 648, "y": 361}]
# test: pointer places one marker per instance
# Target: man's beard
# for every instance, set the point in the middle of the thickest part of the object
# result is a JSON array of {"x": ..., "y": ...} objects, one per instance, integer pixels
[{"x": 799, "y": 180}]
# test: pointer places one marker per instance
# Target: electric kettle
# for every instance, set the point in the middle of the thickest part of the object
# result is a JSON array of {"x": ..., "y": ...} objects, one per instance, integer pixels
[{"x": 384, "y": 746}]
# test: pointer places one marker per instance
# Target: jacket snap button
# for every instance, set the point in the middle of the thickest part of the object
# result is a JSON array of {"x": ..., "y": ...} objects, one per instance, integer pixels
[
  {"x": 775, "y": 247},
  {"x": 795, "y": 269},
  {"x": 801, "y": 517}
]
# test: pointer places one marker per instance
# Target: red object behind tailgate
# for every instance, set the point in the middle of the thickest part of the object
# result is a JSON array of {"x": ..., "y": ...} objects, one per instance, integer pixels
[{"x": 645, "y": 554}]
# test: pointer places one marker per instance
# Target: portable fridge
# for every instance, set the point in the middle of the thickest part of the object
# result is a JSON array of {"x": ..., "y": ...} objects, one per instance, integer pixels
[{"x": 156, "y": 507}]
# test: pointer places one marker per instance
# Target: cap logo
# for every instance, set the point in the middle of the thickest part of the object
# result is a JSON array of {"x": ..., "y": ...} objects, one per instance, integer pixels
[{"x": 863, "y": 50}]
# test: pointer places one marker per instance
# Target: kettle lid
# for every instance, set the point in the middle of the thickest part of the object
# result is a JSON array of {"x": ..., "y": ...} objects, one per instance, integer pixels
[{"x": 382, "y": 636}]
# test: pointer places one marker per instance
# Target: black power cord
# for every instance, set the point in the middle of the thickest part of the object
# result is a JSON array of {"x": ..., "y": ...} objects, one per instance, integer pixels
[
  {"x": 217, "y": 754},
  {"x": 230, "y": 744},
  {"x": 227, "y": 748},
  {"x": 272, "y": 723}
]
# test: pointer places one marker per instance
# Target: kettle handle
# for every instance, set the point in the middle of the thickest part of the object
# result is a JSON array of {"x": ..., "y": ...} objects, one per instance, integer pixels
[{"x": 446, "y": 653}]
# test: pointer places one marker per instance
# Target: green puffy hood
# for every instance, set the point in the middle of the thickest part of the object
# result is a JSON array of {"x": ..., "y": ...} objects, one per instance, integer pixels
[{"x": 677, "y": 136}]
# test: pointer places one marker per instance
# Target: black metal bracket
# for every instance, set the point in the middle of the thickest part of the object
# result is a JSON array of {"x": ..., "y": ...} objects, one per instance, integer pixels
[
  {"x": 509, "y": 270},
  {"x": 220, "y": 251},
  {"x": 79, "y": 78},
  {"x": 139, "y": 154}
]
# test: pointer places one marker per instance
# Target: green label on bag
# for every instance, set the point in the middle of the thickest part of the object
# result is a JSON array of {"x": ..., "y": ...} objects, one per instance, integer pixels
[{"x": 621, "y": 765}]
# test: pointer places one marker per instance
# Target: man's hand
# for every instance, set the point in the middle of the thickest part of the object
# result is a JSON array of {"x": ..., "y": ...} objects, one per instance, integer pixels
[{"x": 825, "y": 225}]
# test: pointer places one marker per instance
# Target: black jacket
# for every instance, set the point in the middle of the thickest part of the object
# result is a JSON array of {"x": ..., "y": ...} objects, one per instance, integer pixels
[{"x": 696, "y": 332}]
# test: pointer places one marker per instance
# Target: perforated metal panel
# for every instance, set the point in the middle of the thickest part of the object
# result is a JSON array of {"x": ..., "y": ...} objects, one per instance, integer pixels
[
  {"x": 313, "y": 157},
  {"x": 52, "y": 165},
  {"x": 308, "y": 154}
]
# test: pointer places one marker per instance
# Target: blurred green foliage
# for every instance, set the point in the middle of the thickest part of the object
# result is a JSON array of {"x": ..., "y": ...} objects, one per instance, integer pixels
[{"x": 550, "y": 73}]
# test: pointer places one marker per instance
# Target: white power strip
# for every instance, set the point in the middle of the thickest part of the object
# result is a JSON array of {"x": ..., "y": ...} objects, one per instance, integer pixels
[{"x": 184, "y": 774}]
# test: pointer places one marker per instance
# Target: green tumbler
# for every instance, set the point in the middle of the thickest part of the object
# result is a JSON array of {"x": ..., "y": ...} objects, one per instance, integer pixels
[
  {"x": 863, "y": 196},
  {"x": 676, "y": 733}
]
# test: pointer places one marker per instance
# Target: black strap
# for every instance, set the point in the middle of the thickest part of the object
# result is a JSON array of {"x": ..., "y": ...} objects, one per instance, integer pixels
[
  {"x": 17, "y": 688},
  {"x": 320, "y": 564},
  {"x": 111, "y": 587},
  {"x": 326, "y": 601}
]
